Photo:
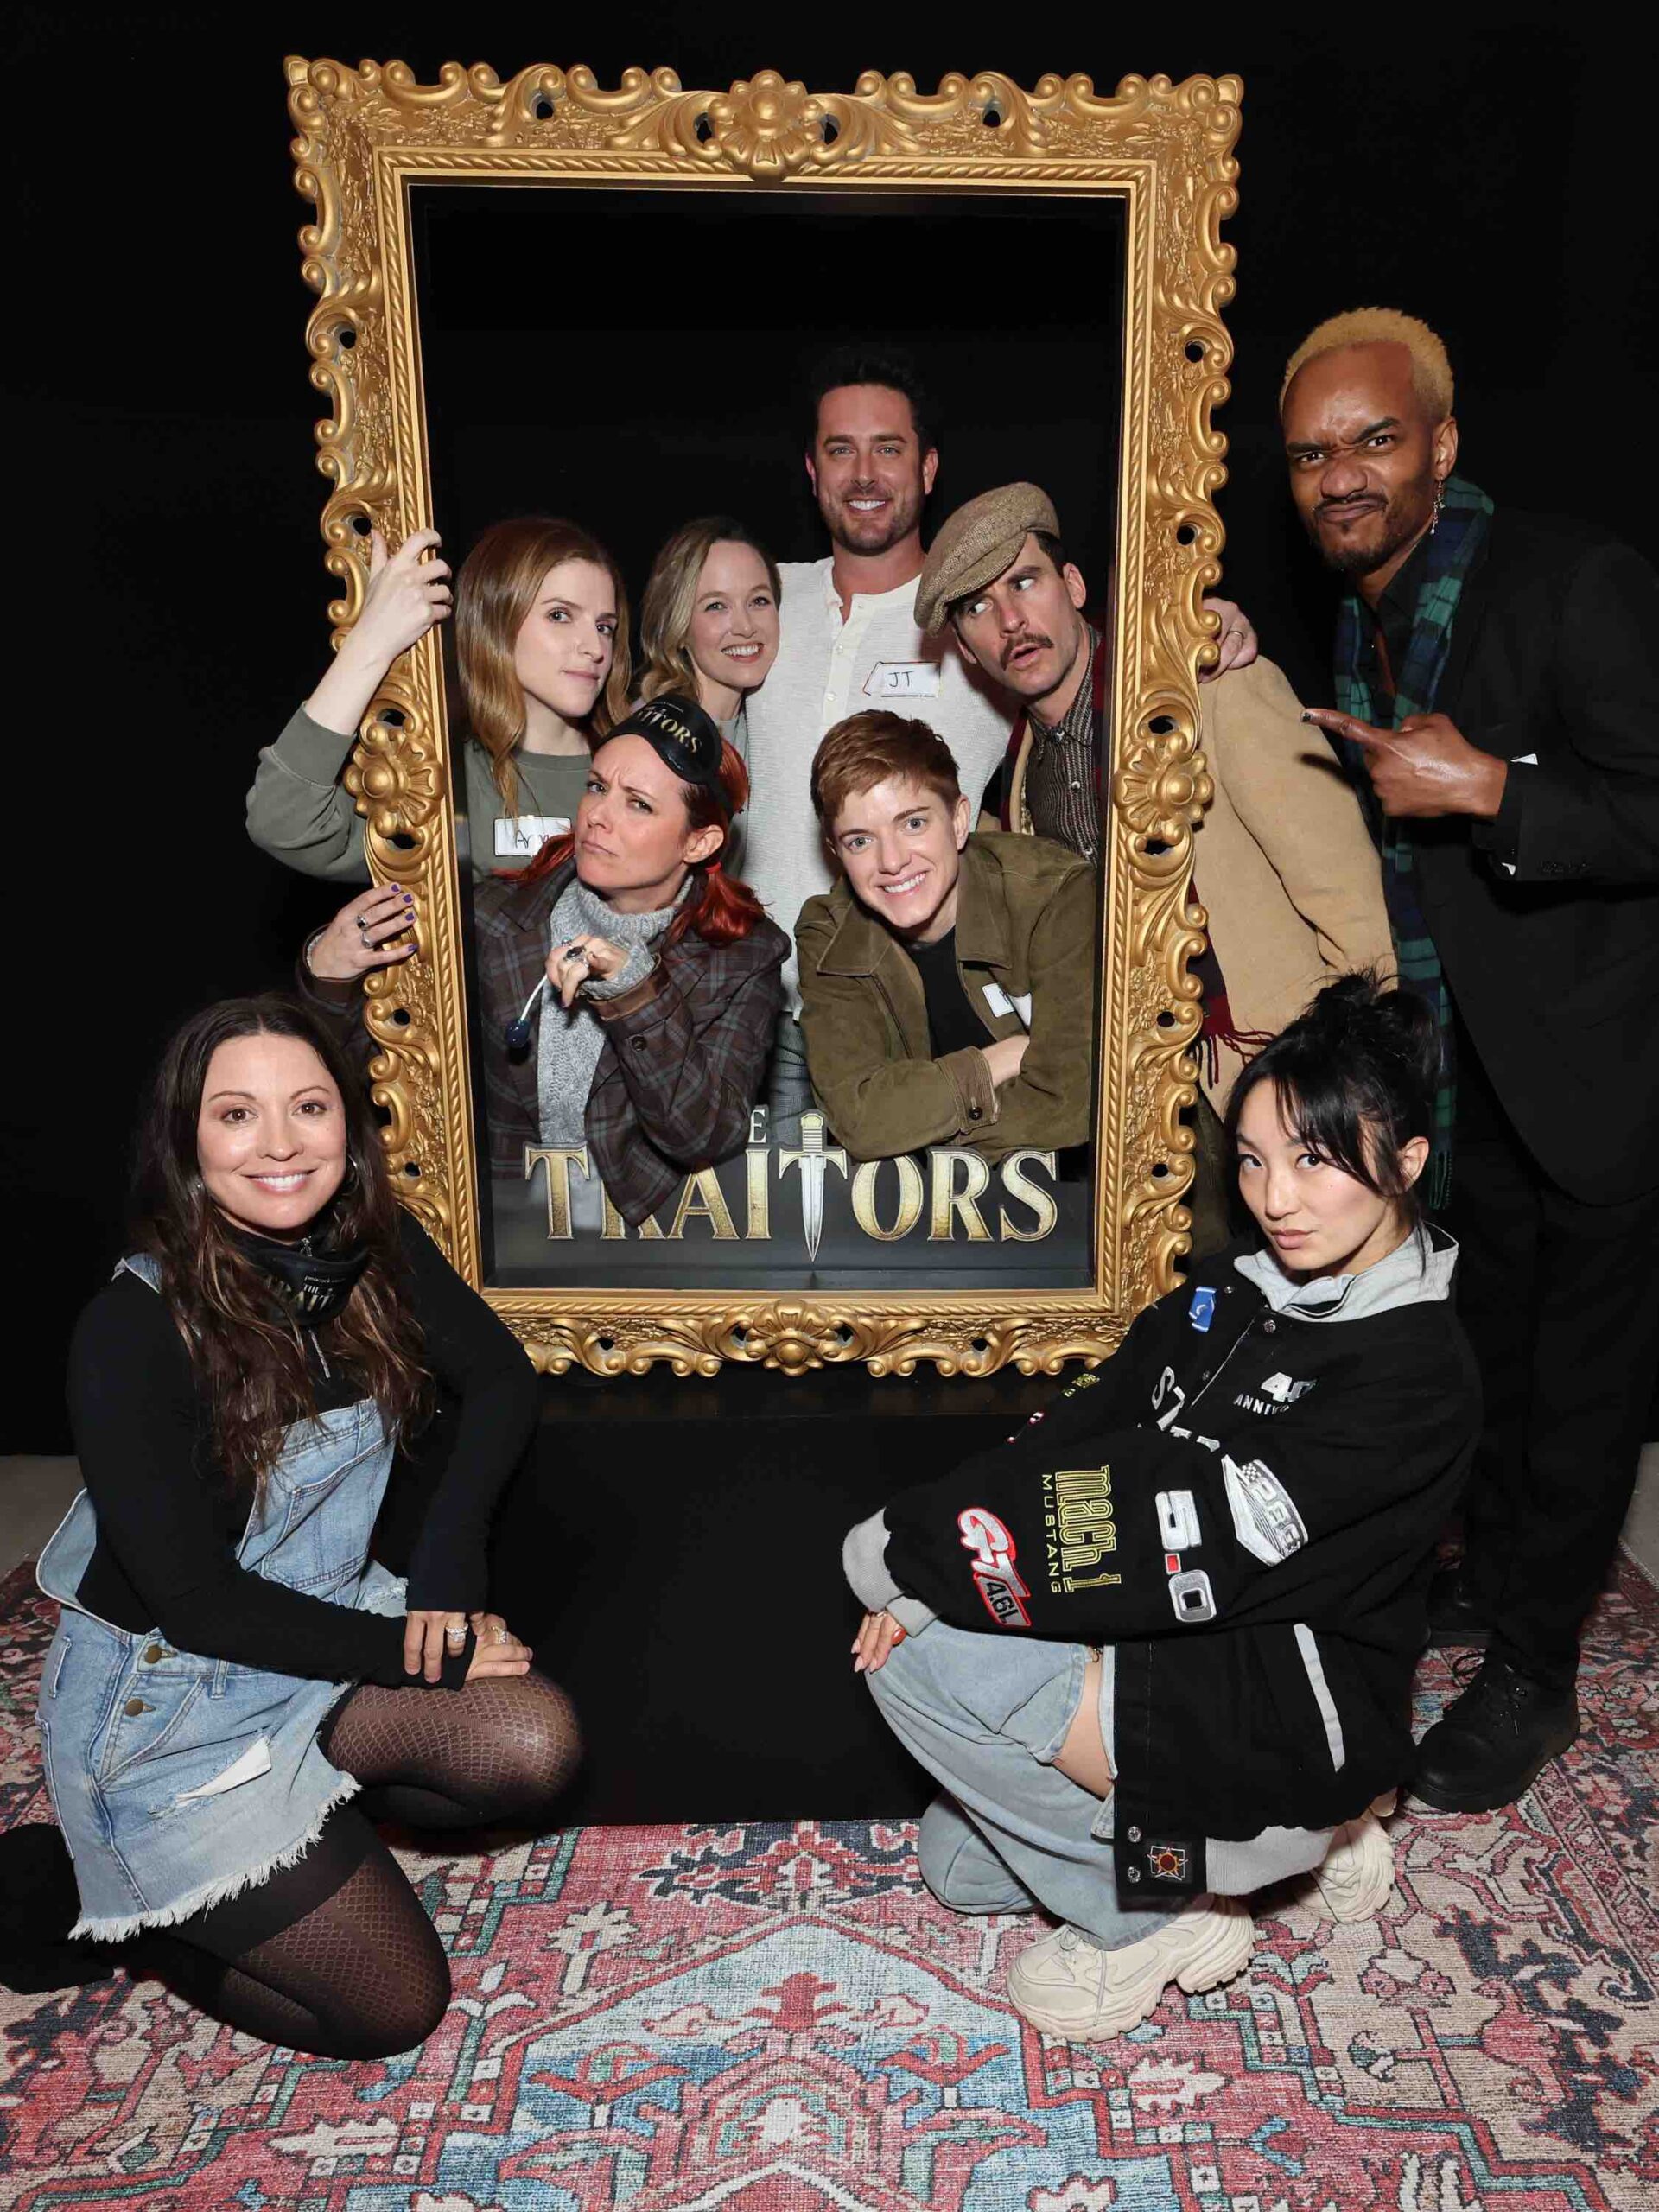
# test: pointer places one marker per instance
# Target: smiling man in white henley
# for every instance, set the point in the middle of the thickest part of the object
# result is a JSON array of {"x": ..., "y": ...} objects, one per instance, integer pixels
[{"x": 850, "y": 643}]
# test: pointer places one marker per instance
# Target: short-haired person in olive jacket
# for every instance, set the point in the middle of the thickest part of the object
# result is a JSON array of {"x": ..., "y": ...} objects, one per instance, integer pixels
[
  {"x": 948, "y": 981},
  {"x": 1167, "y": 1633}
]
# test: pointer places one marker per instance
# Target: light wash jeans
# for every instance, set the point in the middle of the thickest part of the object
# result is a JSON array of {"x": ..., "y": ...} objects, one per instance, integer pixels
[{"x": 987, "y": 1715}]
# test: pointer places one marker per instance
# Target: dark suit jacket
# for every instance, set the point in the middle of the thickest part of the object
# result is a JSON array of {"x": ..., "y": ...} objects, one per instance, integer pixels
[
  {"x": 684, "y": 1052},
  {"x": 1547, "y": 919}
]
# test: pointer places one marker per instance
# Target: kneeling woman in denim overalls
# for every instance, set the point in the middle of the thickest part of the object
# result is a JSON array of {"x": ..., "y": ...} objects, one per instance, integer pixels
[
  {"x": 1195, "y": 1585},
  {"x": 236, "y": 1685}
]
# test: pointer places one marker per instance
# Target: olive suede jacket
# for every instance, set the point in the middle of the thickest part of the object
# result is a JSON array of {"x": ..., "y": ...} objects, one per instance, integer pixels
[{"x": 1026, "y": 926}]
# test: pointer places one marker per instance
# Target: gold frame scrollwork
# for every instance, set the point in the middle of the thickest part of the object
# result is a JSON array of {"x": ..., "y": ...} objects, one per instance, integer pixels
[{"x": 362, "y": 136}]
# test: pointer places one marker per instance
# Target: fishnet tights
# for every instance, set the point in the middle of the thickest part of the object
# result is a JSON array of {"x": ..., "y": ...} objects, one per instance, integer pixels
[
  {"x": 360, "y": 1975},
  {"x": 357, "y": 1970},
  {"x": 496, "y": 1751}
]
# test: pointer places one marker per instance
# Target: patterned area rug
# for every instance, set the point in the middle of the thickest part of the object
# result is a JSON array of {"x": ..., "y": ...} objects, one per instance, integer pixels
[{"x": 768, "y": 2019}]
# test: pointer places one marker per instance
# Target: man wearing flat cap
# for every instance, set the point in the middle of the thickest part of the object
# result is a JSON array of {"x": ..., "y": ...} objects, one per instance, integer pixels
[{"x": 1283, "y": 863}]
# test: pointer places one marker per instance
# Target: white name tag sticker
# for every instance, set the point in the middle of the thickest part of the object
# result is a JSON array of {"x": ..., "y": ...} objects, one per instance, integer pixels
[
  {"x": 902, "y": 679},
  {"x": 524, "y": 834},
  {"x": 999, "y": 1002}
]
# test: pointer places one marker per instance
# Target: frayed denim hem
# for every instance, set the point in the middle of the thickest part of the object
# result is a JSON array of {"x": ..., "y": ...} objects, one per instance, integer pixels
[{"x": 117, "y": 1927}]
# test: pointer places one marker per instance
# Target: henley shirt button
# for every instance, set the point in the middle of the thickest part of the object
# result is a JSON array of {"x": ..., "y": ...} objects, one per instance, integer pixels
[
  {"x": 134, "y": 1706},
  {"x": 152, "y": 1653}
]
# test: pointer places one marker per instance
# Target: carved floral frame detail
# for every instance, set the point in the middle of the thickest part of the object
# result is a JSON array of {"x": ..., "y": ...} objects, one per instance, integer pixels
[{"x": 363, "y": 137}]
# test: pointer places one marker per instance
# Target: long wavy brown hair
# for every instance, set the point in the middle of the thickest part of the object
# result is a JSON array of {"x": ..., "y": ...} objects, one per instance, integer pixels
[
  {"x": 494, "y": 593},
  {"x": 249, "y": 1361}
]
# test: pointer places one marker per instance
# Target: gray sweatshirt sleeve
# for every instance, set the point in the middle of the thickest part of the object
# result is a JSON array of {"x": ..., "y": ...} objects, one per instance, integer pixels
[
  {"x": 298, "y": 810},
  {"x": 864, "y": 1562}
]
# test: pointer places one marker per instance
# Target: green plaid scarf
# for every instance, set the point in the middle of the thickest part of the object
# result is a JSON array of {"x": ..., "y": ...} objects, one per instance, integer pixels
[{"x": 1452, "y": 550}]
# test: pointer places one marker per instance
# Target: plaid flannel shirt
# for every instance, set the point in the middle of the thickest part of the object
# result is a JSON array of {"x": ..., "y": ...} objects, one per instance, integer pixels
[{"x": 684, "y": 1057}]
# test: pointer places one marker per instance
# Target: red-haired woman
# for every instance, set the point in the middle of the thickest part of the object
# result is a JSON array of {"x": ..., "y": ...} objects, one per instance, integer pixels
[
  {"x": 629, "y": 988},
  {"x": 542, "y": 644}
]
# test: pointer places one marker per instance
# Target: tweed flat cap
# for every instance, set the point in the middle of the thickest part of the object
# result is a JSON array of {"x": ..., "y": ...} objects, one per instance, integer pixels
[{"x": 978, "y": 543}]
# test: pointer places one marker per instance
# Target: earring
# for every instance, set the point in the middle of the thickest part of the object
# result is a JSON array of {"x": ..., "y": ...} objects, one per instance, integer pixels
[{"x": 1440, "y": 505}]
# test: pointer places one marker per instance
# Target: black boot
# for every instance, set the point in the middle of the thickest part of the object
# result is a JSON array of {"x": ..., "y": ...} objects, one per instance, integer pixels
[
  {"x": 40, "y": 1905},
  {"x": 1492, "y": 1742},
  {"x": 1457, "y": 1619}
]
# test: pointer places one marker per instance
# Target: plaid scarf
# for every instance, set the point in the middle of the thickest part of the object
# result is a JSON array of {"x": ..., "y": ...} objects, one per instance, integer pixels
[{"x": 1452, "y": 551}]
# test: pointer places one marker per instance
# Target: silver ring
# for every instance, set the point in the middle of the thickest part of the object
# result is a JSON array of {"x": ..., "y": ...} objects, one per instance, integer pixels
[
  {"x": 362, "y": 926},
  {"x": 453, "y": 1635},
  {"x": 498, "y": 1636},
  {"x": 576, "y": 953}
]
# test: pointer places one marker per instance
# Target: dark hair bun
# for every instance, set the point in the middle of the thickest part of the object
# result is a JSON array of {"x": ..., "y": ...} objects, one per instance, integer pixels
[
  {"x": 1358, "y": 1071},
  {"x": 1364, "y": 1012}
]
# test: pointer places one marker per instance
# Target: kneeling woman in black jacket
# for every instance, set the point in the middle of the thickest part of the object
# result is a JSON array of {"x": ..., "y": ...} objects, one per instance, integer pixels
[{"x": 1167, "y": 1632}]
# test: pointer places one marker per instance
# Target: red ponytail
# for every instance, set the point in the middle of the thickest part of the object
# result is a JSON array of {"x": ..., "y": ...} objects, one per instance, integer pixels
[{"x": 718, "y": 908}]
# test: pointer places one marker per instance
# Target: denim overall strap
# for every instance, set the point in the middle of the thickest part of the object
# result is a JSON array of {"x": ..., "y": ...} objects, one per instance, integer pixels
[{"x": 179, "y": 1779}]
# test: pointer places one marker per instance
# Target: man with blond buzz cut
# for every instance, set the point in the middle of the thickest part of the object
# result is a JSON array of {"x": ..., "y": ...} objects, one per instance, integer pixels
[
  {"x": 1283, "y": 866},
  {"x": 1496, "y": 679}
]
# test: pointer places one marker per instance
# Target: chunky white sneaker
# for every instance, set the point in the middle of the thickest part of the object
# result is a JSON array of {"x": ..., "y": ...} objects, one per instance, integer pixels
[
  {"x": 1356, "y": 1879},
  {"x": 1071, "y": 1987}
]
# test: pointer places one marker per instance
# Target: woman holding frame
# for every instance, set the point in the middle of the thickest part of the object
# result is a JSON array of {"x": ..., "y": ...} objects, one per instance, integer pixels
[
  {"x": 542, "y": 646},
  {"x": 628, "y": 985}
]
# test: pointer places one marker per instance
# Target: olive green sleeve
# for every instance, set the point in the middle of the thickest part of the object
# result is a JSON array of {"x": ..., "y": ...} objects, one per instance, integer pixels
[{"x": 299, "y": 811}]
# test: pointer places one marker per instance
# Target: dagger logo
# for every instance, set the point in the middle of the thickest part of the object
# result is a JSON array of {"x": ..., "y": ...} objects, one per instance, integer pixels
[{"x": 813, "y": 1158}]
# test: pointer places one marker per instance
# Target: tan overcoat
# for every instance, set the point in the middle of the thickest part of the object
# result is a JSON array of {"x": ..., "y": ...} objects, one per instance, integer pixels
[{"x": 1283, "y": 866}]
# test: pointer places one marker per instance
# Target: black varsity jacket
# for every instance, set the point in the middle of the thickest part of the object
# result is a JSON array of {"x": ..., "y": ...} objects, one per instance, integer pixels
[{"x": 1244, "y": 1503}]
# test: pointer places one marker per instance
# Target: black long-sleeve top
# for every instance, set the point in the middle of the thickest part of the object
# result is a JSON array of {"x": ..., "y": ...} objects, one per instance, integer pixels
[{"x": 169, "y": 1524}]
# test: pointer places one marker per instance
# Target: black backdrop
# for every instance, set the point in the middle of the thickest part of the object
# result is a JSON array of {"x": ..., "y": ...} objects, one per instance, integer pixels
[{"x": 168, "y": 595}]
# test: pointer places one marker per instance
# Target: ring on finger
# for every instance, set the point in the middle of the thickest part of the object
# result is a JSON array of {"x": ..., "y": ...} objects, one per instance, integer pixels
[{"x": 453, "y": 1634}]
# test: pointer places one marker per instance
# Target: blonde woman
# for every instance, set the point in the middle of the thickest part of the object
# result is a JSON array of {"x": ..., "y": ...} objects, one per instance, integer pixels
[
  {"x": 542, "y": 644},
  {"x": 709, "y": 622}
]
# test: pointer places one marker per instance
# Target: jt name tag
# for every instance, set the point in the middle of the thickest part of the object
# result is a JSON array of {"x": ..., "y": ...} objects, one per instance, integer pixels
[
  {"x": 526, "y": 833},
  {"x": 902, "y": 679}
]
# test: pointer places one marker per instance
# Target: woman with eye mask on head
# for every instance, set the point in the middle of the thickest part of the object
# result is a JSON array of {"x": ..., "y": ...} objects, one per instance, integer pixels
[
  {"x": 236, "y": 1680},
  {"x": 628, "y": 986},
  {"x": 542, "y": 646}
]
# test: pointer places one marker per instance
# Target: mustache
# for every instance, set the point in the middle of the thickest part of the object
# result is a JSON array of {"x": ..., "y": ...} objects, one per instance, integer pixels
[
  {"x": 1371, "y": 499},
  {"x": 1018, "y": 644}
]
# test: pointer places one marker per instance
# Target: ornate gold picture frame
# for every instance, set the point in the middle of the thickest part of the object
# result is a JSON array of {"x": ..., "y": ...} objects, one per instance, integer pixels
[{"x": 364, "y": 139}]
